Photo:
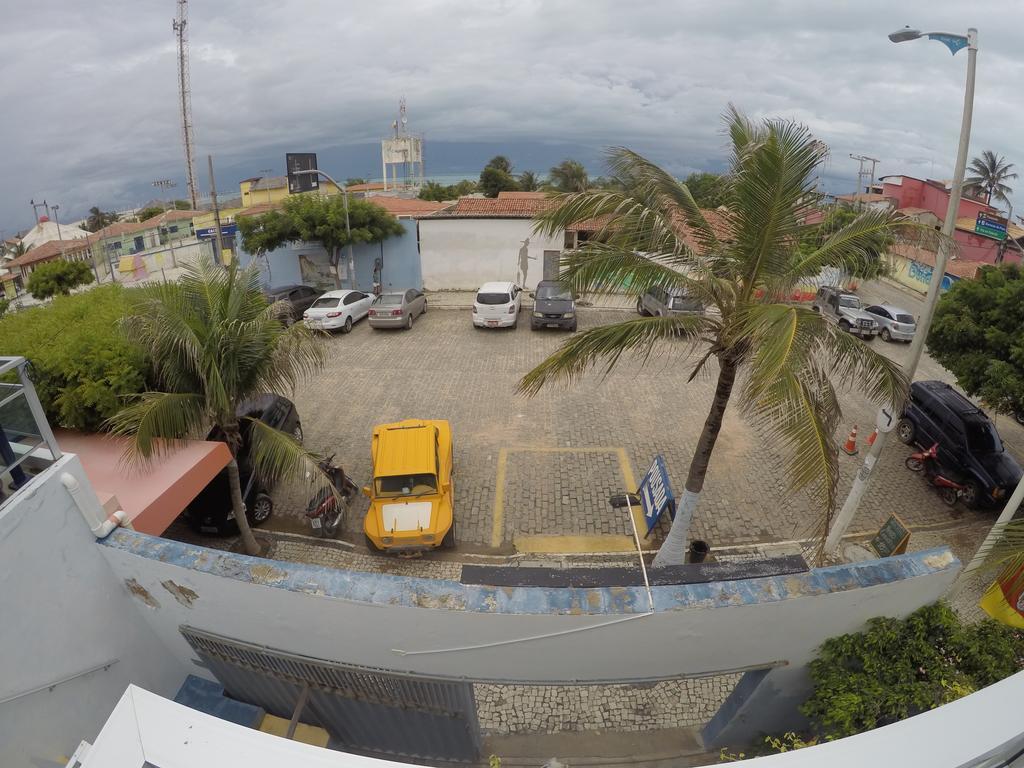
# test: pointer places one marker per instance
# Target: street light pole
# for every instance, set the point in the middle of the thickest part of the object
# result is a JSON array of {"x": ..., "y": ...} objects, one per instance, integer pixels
[
  {"x": 863, "y": 478},
  {"x": 348, "y": 228}
]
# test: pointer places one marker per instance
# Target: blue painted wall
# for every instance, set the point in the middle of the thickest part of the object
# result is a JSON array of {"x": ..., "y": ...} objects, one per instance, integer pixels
[{"x": 309, "y": 263}]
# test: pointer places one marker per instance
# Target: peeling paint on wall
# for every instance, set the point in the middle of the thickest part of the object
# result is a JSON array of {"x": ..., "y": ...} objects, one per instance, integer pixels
[
  {"x": 183, "y": 595},
  {"x": 141, "y": 592}
]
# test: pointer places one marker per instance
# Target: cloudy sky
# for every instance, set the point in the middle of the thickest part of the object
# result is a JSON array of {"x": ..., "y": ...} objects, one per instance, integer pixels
[{"x": 90, "y": 99}]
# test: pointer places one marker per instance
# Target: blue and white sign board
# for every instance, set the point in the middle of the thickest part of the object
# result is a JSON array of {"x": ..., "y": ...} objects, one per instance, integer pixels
[{"x": 656, "y": 493}]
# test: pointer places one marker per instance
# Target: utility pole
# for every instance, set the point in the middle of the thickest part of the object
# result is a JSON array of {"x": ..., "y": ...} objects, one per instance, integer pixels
[
  {"x": 55, "y": 208},
  {"x": 860, "y": 482},
  {"x": 216, "y": 213},
  {"x": 167, "y": 185},
  {"x": 180, "y": 27},
  {"x": 35, "y": 210},
  {"x": 862, "y": 172}
]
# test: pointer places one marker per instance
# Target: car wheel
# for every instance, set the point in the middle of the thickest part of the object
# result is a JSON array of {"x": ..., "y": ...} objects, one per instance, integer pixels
[
  {"x": 424, "y": 307},
  {"x": 448, "y": 542},
  {"x": 534, "y": 327},
  {"x": 886, "y": 336},
  {"x": 640, "y": 308},
  {"x": 971, "y": 494},
  {"x": 572, "y": 328},
  {"x": 914, "y": 464},
  {"x": 297, "y": 432},
  {"x": 845, "y": 326},
  {"x": 408, "y": 323},
  {"x": 262, "y": 509},
  {"x": 1018, "y": 416},
  {"x": 289, "y": 321},
  {"x": 348, "y": 324},
  {"x": 815, "y": 309},
  {"x": 905, "y": 431}
]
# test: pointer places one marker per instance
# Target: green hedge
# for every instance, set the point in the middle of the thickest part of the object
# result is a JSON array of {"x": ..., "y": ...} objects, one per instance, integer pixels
[{"x": 81, "y": 365}]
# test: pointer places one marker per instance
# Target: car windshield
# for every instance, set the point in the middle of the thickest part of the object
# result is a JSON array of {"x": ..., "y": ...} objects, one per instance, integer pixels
[
  {"x": 406, "y": 485},
  {"x": 905, "y": 319},
  {"x": 553, "y": 293},
  {"x": 982, "y": 437},
  {"x": 685, "y": 303},
  {"x": 849, "y": 301},
  {"x": 493, "y": 298},
  {"x": 325, "y": 303},
  {"x": 389, "y": 299}
]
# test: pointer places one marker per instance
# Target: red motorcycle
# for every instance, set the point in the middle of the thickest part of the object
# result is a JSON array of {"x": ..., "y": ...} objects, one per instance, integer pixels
[
  {"x": 928, "y": 462},
  {"x": 324, "y": 512}
]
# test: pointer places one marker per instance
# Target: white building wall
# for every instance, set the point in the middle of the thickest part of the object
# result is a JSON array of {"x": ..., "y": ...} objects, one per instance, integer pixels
[
  {"x": 64, "y": 612},
  {"x": 462, "y": 254}
]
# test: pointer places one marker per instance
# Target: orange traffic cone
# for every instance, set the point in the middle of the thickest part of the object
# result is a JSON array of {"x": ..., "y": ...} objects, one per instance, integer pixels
[
  {"x": 850, "y": 446},
  {"x": 872, "y": 436}
]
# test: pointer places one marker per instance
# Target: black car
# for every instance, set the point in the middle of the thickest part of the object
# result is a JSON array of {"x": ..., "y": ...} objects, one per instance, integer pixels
[
  {"x": 969, "y": 445},
  {"x": 553, "y": 306},
  {"x": 210, "y": 510},
  {"x": 300, "y": 297}
]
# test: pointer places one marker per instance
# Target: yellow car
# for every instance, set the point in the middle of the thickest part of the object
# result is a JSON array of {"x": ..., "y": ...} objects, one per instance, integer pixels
[{"x": 411, "y": 496}]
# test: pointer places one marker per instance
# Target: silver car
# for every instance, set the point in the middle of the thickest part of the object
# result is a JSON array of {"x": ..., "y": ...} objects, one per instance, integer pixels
[
  {"x": 397, "y": 310},
  {"x": 662, "y": 302},
  {"x": 896, "y": 324}
]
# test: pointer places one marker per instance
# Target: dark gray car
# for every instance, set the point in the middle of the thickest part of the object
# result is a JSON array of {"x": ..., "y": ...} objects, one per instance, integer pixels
[
  {"x": 299, "y": 297},
  {"x": 553, "y": 306}
]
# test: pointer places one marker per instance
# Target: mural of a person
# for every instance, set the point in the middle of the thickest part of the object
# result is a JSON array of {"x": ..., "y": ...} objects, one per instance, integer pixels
[{"x": 524, "y": 263}]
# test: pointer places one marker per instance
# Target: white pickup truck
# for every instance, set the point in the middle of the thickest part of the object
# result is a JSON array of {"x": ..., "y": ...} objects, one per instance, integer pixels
[{"x": 844, "y": 309}]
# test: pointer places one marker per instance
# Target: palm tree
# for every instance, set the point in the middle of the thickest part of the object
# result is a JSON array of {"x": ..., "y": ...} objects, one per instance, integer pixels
[
  {"x": 783, "y": 359},
  {"x": 569, "y": 176},
  {"x": 990, "y": 172},
  {"x": 98, "y": 219},
  {"x": 528, "y": 181},
  {"x": 214, "y": 343}
]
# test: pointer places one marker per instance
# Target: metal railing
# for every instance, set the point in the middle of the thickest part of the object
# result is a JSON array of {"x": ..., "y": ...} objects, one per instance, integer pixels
[{"x": 26, "y": 441}]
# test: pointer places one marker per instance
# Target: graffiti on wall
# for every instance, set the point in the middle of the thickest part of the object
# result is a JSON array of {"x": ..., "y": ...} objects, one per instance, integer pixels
[{"x": 923, "y": 274}]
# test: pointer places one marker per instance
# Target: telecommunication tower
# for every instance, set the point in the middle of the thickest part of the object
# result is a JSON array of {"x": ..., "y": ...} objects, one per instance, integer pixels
[
  {"x": 862, "y": 172},
  {"x": 402, "y": 153},
  {"x": 180, "y": 26}
]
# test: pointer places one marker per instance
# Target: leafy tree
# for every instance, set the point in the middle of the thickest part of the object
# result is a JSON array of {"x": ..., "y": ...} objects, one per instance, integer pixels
[
  {"x": 528, "y": 181},
  {"x": 569, "y": 176},
  {"x": 58, "y": 277},
  {"x": 787, "y": 357},
  {"x": 82, "y": 366},
  {"x": 990, "y": 172},
  {"x": 897, "y": 668},
  {"x": 183, "y": 205},
  {"x": 708, "y": 189},
  {"x": 148, "y": 213},
  {"x": 497, "y": 177},
  {"x": 321, "y": 219},
  {"x": 99, "y": 219},
  {"x": 216, "y": 343},
  {"x": 978, "y": 334},
  {"x": 440, "y": 193}
]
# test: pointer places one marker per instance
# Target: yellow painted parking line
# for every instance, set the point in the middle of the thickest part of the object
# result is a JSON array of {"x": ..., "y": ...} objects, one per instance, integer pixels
[
  {"x": 560, "y": 543},
  {"x": 498, "y": 518},
  {"x": 575, "y": 544}
]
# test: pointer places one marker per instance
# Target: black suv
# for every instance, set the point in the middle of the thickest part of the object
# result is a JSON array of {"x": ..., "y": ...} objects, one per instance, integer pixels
[
  {"x": 210, "y": 510},
  {"x": 969, "y": 446},
  {"x": 299, "y": 298}
]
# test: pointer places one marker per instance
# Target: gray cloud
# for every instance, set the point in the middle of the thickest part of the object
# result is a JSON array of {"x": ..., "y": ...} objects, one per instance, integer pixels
[{"x": 89, "y": 91}]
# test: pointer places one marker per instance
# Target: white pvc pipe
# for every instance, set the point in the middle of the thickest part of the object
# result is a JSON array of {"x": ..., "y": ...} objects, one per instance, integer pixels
[{"x": 101, "y": 525}]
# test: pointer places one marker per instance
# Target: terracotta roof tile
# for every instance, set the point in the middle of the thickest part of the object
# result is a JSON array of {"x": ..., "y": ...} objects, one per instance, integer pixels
[
  {"x": 401, "y": 206},
  {"x": 51, "y": 249},
  {"x": 497, "y": 207}
]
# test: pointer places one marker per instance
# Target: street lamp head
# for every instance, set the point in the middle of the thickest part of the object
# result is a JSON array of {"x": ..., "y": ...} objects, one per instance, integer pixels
[{"x": 905, "y": 34}]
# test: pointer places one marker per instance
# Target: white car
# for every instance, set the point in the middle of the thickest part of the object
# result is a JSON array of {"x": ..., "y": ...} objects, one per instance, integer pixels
[
  {"x": 497, "y": 305},
  {"x": 337, "y": 309}
]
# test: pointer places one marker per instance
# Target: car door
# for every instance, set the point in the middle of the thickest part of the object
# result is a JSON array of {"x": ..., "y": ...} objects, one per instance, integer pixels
[
  {"x": 361, "y": 304},
  {"x": 307, "y": 296},
  {"x": 417, "y": 302}
]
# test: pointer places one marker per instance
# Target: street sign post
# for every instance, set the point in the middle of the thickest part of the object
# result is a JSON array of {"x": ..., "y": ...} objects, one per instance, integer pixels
[
  {"x": 298, "y": 182},
  {"x": 656, "y": 494},
  {"x": 990, "y": 225}
]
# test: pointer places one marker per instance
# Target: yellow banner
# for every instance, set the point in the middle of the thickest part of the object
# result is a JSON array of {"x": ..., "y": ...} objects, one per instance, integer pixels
[{"x": 1004, "y": 600}]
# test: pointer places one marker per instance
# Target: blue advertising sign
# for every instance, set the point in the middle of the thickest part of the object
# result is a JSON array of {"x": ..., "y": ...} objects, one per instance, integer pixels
[
  {"x": 656, "y": 493},
  {"x": 227, "y": 231}
]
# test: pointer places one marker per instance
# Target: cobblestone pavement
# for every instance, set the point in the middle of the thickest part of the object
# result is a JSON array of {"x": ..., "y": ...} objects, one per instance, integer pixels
[
  {"x": 521, "y": 709},
  {"x": 444, "y": 368}
]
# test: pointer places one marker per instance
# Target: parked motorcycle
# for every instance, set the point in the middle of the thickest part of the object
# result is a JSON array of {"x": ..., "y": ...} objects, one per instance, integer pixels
[
  {"x": 324, "y": 512},
  {"x": 928, "y": 461}
]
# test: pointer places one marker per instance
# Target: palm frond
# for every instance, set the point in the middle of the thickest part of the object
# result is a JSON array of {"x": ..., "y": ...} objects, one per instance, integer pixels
[
  {"x": 277, "y": 456},
  {"x": 609, "y": 343},
  {"x": 157, "y": 421}
]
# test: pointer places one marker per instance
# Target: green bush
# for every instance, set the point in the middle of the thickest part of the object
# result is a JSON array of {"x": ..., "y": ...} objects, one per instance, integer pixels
[
  {"x": 58, "y": 277},
  {"x": 81, "y": 365},
  {"x": 902, "y": 667}
]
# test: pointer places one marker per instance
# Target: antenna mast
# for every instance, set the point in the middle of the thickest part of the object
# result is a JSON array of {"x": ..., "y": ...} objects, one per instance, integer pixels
[{"x": 180, "y": 25}]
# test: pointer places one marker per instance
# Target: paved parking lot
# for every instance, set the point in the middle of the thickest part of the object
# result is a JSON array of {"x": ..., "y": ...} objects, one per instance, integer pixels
[{"x": 534, "y": 474}]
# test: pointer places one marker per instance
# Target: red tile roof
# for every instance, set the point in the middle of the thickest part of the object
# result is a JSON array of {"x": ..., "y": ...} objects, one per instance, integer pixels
[
  {"x": 510, "y": 195},
  {"x": 401, "y": 206},
  {"x": 497, "y": 207},
  {"x": 119, "y": 228},
  {"x": 51, "y": 249},
  {"x": 370, "y": 186}
]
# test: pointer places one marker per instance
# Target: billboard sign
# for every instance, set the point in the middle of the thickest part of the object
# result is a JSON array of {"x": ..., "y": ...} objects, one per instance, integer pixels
[
  {"x": 990, "y": 225},
  {"x": 656, "y": 493},
  {"x": 226, "y": 231},
  {"x": 301, "y": 182}
]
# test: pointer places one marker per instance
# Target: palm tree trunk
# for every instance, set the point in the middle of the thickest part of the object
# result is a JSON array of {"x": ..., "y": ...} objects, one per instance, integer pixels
[
  {"x": 673, "y": 550},
  {"x": 238, "y": 507}
]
